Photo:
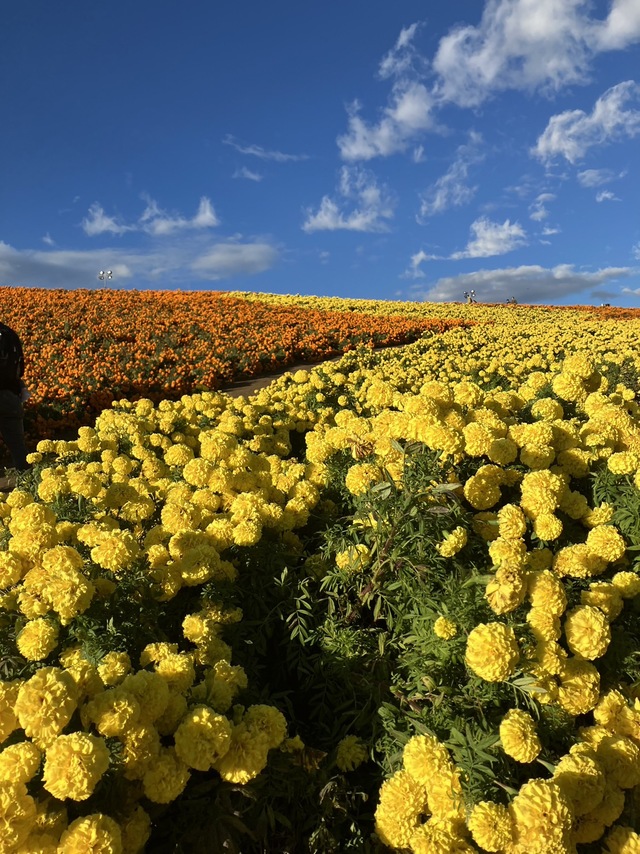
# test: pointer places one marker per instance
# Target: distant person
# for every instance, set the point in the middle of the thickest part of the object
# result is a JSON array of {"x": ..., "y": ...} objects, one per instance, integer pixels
[{"x": 13, "y": 393}]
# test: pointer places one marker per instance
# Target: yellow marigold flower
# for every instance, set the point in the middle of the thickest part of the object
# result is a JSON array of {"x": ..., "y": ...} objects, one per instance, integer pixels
[
  {"x": 578, "y": 561},
  {"x": 351, "y": 752},
  {"x": 8, "y": 697},
  {"x": 45, "y": 703},
  {"x": 490, "y": 826},
  {"x": 245, "y": 758},
  {"x": 511, "y": 522},
  {"x": 141, "y": 743},
  {"x": 587, "y": 631},
  {"x": 628, "y": 583},
  {"x": 354, "y": 558},
  {"x": 502, "y": 451},
  {"x": 37, "y": 639},
  {"x": 606, "y": 542},
  {"x": 454, "y": 541},
  {"x": 445, "y": 628},
  {"x": 547, "y": 409},
  {"x": 83, "y": 673},
  {"x": 150, "y": 690},
  {"x": 539, "y": 559},
  {"x": 361, "y": 476},
  {"x": 579, "y": 686},
  {"x": 537, "y": 457},
  {"x": 600, "y": 515},
  {"x": 544, "y": 624},
  {"x": 608, "y": 810},
  {"x": 113, "y": 711},
  {"x": 513, "y": 551},
  {"x": 622, "y": 840},
  {"x": 519, "y": 737},
  {"x": 169, "y": 720},
  {"x": 581, "y": 779},
  {"x": 547, "y": 591},
  {"x": 73, "y": 765},
  {"x": 96, "y": 833},
  {"x": 620, "y": 758},
  {"x": 202, "y": 737},
  {"x": 266, "y": 720},
  {"x": 114, "y": 667},
  {"x": 439, "y": 838},
  {"x": 136, "y": 830},
  {"x": 178, "y": 455},
  {"x": 492, "y": 651},
  {"x": 424, "y": 757},
  {"x": 11, "y": 569},
  {"x": 547, "y": 527},
  {"x": 481, "y": 493},
  {"x": 115, "y": 551},
  {"x": 605, "y": 596},
  {"x": 542, "y": 819},
  {"x": 402, "y": 803},
  {"x": 17, "y": 815},
  {"x": 19, "y": 762},
  {"x": 155, "y": 652},
  {"x": 507, "y": 589},
  {"x": 623, "y": 462}
]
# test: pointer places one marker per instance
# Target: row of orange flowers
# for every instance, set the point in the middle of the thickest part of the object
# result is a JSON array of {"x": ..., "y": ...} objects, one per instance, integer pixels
[{"x": 86, "y": 348}]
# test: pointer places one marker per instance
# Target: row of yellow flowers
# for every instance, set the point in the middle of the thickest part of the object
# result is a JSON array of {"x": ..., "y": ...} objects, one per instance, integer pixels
[{"x": 144, "y": 509}]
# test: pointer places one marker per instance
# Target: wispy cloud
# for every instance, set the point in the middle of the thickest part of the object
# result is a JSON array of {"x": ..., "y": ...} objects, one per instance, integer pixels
[
  {"x": 373, "y": 208},
  {"x": 537, "y": 208},
  {"x": 48, "y": 240},
  {"x": 636, "y": 251},
  {"x": 243, "y": 172},
  {"x": 595, "y": 177},
  {"x": 547, "y": 231},
  {"x": 153, "y": 220},
  {"x": 414, "y": 270},
  {"x": 572, "y": 133},
  {"x": 173, "y": 263},
  {"x": 263, "y": 153},
  {"x": 451, "y": 189},
  {"x": 606, "y": 196},
  {"x": 492, "y": 238},
  {"x": 528, "y": 284}
]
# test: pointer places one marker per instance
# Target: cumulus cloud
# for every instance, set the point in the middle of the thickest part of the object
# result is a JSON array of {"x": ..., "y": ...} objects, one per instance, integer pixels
[
  {"x": 451, "y": 189},
  {"x": 492, "y": 238},
  {"x": 572, "y": 133},
  {"x": 529, "y": 44},
  {"x": 362, "y": 206},
  {"x": 263, "y": 153},
  {"x": 153, "y": 220},
  {"x": 528, "y": 284},
  {"x": 97, "y": 222},
  {"x": 169, "y": 264}
]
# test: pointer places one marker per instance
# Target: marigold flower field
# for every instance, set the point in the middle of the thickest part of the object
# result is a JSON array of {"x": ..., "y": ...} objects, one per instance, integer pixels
[{"x": 388, "y": 604}]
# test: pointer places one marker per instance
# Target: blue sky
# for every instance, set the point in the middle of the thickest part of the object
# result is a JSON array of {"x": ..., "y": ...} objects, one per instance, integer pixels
[{"x": 404, "y": 150}]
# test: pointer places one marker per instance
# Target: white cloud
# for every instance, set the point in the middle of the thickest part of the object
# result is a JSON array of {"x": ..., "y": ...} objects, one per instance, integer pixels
[
  {"x": 537, "y": 208},
  {"x": 547, "y": 231},
  {"x": 263, "y": 153},
  {"x": 153, "y": 220},
  {"x": 621, "y": 28},
  {"x": 408, "y": 115},
  {"x": 528, "y": 284},
  {"x": 414, "y": 271},
  {"x": 227, "y": 260},
  {"x": 606, "y": 196},
  {"x": 418, "y": 154},
  {"x": 595, "y": 177},
  {"x": 402, "y": 57},
  {"x": 97, "y": 222},
  {"x": 373, "y": 205},
  {"x": 492, "y": 238},
  {"x": 572, "y": 133},
  {"x": 636, "y": 251},
  {"x": 170, "y": 264},
  {"x": 248, "y": 174},
  {"x": 451, "y": 189},
  {"x": 529, "y": 44},
  {"x": 48, "y": 240}
]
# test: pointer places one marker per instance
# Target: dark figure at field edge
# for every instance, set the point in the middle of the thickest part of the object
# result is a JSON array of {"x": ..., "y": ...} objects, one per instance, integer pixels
[{"x": 12, "y": 393}]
